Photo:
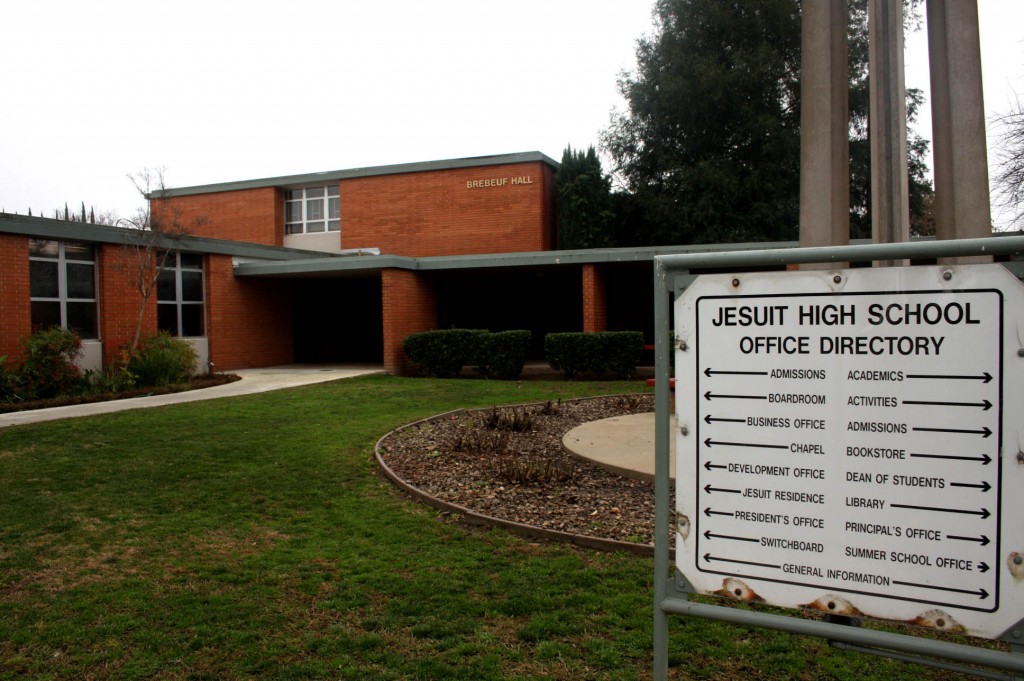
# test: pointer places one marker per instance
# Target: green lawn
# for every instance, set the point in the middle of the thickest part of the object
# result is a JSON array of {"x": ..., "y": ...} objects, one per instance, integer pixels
[{"x": 252, "y": 537}]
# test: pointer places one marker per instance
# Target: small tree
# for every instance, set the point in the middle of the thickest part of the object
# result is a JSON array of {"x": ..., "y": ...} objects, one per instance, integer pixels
[{"x": 151, "y": 236}]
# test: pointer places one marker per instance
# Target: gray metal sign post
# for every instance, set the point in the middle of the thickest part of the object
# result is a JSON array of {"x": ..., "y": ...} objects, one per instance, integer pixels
[{"x": 843, "y": 440}]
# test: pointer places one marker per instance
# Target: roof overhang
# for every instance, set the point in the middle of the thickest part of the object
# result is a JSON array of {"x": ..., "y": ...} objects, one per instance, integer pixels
[{"x": 373, "y": 171}]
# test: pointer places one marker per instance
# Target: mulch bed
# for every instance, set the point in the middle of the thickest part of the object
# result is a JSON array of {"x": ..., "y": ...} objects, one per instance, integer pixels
[
  {"x": 65, "y": 401},
  {"x": 509, "y": 463}
]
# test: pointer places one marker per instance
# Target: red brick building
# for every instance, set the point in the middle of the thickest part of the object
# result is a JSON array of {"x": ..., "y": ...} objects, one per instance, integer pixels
[{"x": 338, "y": 266}]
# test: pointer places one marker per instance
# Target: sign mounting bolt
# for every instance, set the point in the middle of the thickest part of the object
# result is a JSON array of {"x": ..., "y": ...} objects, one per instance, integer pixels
[
  {"x": 683, "y": 430},
  {"x": 947, "y": 275},
  {"x": 837, "y": 279},
  {"x": 735, "y": 282}
]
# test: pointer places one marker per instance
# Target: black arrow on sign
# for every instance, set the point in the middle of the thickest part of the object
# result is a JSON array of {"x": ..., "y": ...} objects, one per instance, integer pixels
[
  {"x": 709, "y": 418},
  {"x": 708, "y": 534},
  {"x": 983, "y": 540},
  {"x": 709, "y": 372},
  {"x": 985, "y": 377},
  {"x": 709, "y": 396},
  {"x": 983, "y": 512},
  {"x": 708, "y": 466},
  {"x": 984, "y": 432},
  {"x": 984, "y": 486},
  {"x": 709, "y": 489},
  {"x": 708, "y": 512},
  {"x": 708, "y": 557},
  {"x": 708, "y": 442},
  {"x": 980, "y": 593},
  {"x": 985, "y": 459},
  {"x": 982, "y": 567},
  {"x": 984, "y": 404}
]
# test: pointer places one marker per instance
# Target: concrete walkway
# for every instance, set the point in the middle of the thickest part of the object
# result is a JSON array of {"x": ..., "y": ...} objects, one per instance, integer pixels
[
  {"x": 623, "y": 445},
  {"x": 253, "y": 381}
]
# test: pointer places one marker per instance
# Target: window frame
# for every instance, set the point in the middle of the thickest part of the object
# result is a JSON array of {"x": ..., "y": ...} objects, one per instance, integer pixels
[
  {"x": 174, "y": 266},
  {"x": 297, "y": 209},
  {"x": 62, "y": 298}
]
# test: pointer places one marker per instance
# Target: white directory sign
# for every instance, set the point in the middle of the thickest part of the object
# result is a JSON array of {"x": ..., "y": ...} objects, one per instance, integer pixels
[{"x": 848, "y": 442}]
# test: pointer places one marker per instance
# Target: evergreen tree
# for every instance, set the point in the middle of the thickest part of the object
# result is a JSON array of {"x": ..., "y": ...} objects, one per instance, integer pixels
[
  {"x": 710, "y": 145},
  {"x": 584, "y": 201}
]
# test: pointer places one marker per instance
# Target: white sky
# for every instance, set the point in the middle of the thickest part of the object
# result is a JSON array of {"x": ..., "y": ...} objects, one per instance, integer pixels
[{"x": 219, "y": 90}]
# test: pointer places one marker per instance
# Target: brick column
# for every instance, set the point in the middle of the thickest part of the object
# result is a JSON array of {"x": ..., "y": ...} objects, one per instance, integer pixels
[
  {"x": 15, "y": 311},
  {"x": 119, "y": 301},
  {"x": 595, "y": 302},
  {"x": 410, "y": 305}
]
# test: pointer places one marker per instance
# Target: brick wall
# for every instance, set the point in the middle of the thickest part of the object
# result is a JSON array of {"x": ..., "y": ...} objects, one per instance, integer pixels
[
  {"x": 15, "y": 310},
  {"x": 249, "y": 321},
  {"x": 410, "y": 305},
  {"x": 250, "y": 215},
  {"x": 595, "y": 300},
  {"x": 439, "y": 213},
  {"x": 119, "y": 301}
]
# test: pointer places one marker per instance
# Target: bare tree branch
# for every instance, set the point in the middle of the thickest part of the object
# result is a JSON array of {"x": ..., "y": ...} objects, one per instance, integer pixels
[
  {"x": 153, "y": 234},
  {"x": 1009, "y": 179}
]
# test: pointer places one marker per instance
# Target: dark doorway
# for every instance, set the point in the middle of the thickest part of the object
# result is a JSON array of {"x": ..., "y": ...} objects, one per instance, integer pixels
[
  {"x": 541, "y": 300},
  {"x": 338, "y": 320}
]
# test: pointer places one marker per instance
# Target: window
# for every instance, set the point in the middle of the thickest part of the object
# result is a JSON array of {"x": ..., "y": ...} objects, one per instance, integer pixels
[
  {"x": 179, "y": 295},
  {"x": 312, "y": 209},
  {"x": 62, "y": 286}
]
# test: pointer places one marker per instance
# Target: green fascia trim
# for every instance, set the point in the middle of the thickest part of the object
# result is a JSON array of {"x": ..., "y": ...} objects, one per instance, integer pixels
[
  {"x": 293, "y": 181},
  {"x": 324, "y": 266},
  {"x": 47, "y": 228}
]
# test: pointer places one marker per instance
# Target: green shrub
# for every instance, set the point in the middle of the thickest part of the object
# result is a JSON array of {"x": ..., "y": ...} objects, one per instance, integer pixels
[
  {"x": 571, "y": 353},
  {"x": 49, "y": 368},
  {"x": 442, "y": 353},
  {"x": 162, "y": 360},
  {"x": 621, "y": 351},
  {"x": 614, "y": 352},
  {"x": 501, "y": 354},
  {"x": 10, "y": 382}
]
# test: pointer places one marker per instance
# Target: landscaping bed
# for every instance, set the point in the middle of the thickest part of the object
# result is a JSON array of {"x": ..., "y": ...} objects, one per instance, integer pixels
[{"x": 509, "y": 463}]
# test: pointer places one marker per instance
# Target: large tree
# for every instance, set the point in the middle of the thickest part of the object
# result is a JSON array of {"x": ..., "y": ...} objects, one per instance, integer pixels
[
  {"x": 584, "y": 201},
  {"x": 710, "y": 145}
]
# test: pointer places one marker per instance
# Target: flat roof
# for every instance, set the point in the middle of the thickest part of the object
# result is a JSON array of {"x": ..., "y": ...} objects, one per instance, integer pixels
[{"x": 372, "y": 171}]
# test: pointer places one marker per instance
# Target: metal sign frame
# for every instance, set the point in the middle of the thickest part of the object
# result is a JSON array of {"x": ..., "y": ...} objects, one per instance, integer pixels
[{"x": 672, "y": 275}]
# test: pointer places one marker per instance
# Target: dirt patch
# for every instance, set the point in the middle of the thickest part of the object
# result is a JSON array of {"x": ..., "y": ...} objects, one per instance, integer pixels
[{"x": 509, "y": 463}]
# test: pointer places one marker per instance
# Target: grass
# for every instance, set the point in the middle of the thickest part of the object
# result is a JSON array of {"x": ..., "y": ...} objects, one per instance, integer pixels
[{"x": 252, "y": 537}]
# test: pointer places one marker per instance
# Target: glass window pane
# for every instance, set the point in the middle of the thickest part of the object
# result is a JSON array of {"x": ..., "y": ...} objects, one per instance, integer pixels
[
  {"x": 314, "y": 226},
  {"x": 293, "y": 195},
  {"x": 332, "y": 190},
  {"x": 334, "y": 226},
  {"x": 293, "y": 229},
  {"x": 45, "y": 315},
  {"x": 167, "y": 318},
  {"x": 165, "y": 288},
  {"x": 334, "y": 208},
  {"x": 76, "y": 251},
  {"x": 82, "y": 319},
  {"x": 315, "y": 209},
  {"x": 293, "y": 211},
  {"x": 192, "y": 286},
  {"x": 81, "y": 281},
  {"x": 191, "y": 320},
  {"x": 314, "y": 191},
  {"x": 42, "y": 248},
  {"x": 43, "y": 279},
  {"x": 192, "y": 260}
]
